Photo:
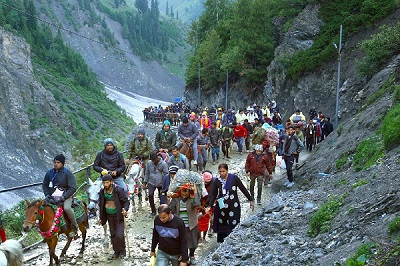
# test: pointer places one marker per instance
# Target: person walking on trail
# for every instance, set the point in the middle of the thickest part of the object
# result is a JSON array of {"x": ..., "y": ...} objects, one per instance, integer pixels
[
  {"x": 251, "y": 116},
  {"x": 203, "y": 141},
  {"x": 140, "y": 148},
  {"x": 205, "y": 219},
  {"x": 59, "y": 186},
  {"x": 2, "y": 232},
  {"x": 300, "y": 135},
  {"x": 277, "y": 119},
  {"x": 219, "y": 117},
  {"x": 291, "y": 146},
  {"x": 227, "y": 211},
  {"x": 297, "y": 117},
  {"x": 256, "y": 165},
  {"x": 311, "y": 132},
  {"x": 205, "y": 121},
  {"x": 240, "y": 117},
  {"x": 165, "y": 138},
  {"x": 228, "y": 118},
  {"x": 114, "y": 205},
  {"x": 327, "y": 128},
  {"x": 226, "y": 137},
  {"x": 173, "y": 169},
  {"x": 215, "y": 139},
  {"x": 178, "y": 159},
  {"x": 156, "y": 169},
  {"x": 188, "y": 133},
  {"x": 258, "y": 135},
  {"x": 111, "y": 161},
  {"x": 250, "y": 130},
  {"x": 273, "y": 107},
  {"x": 239, "y": 134},
  {"x": 185, "y": 207},
  {"x": 265, "y": 111},
  {"x": 169, "y": 234}
]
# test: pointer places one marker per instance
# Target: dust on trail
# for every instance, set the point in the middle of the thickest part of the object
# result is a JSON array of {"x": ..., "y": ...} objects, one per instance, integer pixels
[{"x": 140, "y": 225}]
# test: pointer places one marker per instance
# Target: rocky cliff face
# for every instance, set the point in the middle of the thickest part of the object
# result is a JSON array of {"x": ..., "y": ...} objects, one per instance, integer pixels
[
  {"x": 317, "y": 89},
  {"x": 117, "y": 68},
  {"x": 25, "y": 152}
]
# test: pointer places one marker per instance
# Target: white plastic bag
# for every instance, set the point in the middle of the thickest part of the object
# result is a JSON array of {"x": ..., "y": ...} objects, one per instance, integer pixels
[{"x": 280, "y": 162}]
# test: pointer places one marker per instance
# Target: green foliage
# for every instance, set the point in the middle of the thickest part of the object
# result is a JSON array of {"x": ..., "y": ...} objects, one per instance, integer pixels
[
  {"x": 321, "y": 220},
  {"x": 390, "y": 128},
  {"x": 353, "y": 15},
  {"x": 396, "y": 94},
  {"x": 62, "y": 71},
  {"x": 361, "y": 256},
  {"x": 343, "y": 160},
  {"x": 394, "y": 226},
  {"x": 13, "y": 219},
  {"x": 360, "y": 183},
  {"x": 381, "y": 47},
  {"x": 247, "y": 40},
  {"x": 387, "y": 87},
  {"x": 368, "y": 153}
]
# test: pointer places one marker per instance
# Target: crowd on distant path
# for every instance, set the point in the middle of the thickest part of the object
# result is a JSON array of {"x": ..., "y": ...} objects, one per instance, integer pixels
[{"x": 189, "y": 211}]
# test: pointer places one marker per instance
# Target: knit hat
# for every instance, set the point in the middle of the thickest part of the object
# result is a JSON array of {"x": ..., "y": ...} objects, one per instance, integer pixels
[
  {"x": 173, "y": 169},
  {"x": 207, "y": 176},
  {"x": 141, "y": 131},
  {"x": 107, "y": 178},
  {"x": 60, "y": 158},
  {"x": 108, "y": 141},
  {"x": 258, "y": 147}
]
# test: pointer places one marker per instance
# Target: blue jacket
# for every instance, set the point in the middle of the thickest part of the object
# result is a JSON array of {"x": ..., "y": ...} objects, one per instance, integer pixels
[{"x": 164, "y": 189}]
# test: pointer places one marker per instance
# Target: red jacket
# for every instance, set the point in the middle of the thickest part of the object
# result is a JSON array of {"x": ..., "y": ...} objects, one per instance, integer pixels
[
  {"x": 239, "y": 131},
  {"x": 258, "y": 168}
]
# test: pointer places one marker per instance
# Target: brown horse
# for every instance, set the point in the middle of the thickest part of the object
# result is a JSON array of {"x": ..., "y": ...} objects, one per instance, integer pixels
[
  {"x": 45, "y": 216},
  {"x": 187, "y": 150}
]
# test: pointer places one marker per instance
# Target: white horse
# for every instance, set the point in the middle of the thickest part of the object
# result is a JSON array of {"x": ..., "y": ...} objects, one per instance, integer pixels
[
  {"x": 93, "y": 200},
  {"x": 134, "y": 182},
  {"x": 11, "y": 253}
]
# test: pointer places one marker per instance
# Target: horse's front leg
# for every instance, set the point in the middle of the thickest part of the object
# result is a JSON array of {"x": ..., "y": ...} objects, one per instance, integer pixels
[
  {"x": 82, "y": 228},
  {"x": 64, "y": 251},
  {"x": 52, "y": 243}
]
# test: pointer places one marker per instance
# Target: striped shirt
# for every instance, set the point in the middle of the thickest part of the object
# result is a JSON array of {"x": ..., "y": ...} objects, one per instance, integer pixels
[{"x": 183, "y": 213}]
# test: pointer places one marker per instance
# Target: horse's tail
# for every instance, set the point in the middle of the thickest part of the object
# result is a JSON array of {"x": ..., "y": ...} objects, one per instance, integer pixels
[{"x": 14, "y": 252}]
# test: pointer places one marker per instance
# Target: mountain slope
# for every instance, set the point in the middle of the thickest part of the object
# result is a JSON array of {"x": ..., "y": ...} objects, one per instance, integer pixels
[
  {"x": 114, "y": 55},
  {"x": 188, "y": 10},
  {"x": 50, "y": 102}
]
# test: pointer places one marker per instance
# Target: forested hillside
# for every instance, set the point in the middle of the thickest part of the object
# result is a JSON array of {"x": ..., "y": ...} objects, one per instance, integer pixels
[
  {"x": 243, "y": 38},
  {"x": 184, "y": 10},
  {"x": 50, "y": 101},
  {"x": 126, "y": 43}
]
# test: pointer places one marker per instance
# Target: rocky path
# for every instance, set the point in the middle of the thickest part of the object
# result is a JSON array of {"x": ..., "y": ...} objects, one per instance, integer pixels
[{"x": 140, "y": 224}]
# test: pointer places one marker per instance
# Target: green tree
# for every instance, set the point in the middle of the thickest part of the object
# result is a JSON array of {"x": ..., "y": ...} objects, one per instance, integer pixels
[{"x": 142, "y": 5}]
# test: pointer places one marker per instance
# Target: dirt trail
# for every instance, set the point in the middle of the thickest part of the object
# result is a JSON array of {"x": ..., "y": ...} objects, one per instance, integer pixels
[{"x": 140, "y": 226}]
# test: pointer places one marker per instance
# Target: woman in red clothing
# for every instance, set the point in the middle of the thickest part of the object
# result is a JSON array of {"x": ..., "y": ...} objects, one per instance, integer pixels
[{"x": 204, "y": 220}]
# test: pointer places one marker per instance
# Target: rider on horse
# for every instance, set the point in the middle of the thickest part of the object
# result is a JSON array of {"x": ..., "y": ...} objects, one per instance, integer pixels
[
  {"x": 140, "y": 148},
  {"x": 165, "y": 138},
  {"x": 110, "y": 161},
  {"x": 188, "y": 132},
  {"x": 59, "y": 185}
]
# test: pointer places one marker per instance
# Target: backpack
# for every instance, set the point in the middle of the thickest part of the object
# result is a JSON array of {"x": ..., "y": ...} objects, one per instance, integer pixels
[{"x": 223, "y": 130}]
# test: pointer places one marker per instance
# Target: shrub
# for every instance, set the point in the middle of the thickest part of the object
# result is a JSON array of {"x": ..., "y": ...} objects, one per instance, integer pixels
[
  {"x": 390, "y": 128},
  {"x": 360, "y": 183},
  {"x": 321, "y": 220},
  {"x": 343, "y": 160},
  {"x": 394, "y": 226},
  {"x": 361, "y": 256},
  {"x": 368, "y": 153}
]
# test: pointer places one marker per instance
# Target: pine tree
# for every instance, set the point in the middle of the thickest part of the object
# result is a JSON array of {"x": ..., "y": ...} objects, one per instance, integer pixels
[
  {"x": 177, "y": 15},
  {"x": 167, "y": 10},
  {"x": 172, "y": 12}
]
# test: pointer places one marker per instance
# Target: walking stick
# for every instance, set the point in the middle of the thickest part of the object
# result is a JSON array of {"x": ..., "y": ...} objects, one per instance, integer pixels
[{"x": 126, "y": 236}]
